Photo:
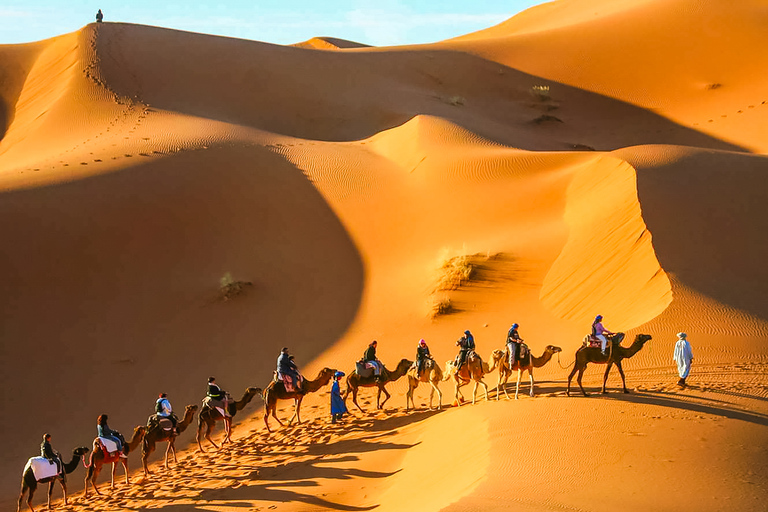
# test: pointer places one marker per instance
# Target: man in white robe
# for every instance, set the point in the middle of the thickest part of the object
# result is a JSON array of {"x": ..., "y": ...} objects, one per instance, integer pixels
[{"x": 683, "y": 357}]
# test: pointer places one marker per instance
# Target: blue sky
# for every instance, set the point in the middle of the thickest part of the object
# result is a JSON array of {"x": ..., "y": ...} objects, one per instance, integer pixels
[{"x": 377, "y": 22}]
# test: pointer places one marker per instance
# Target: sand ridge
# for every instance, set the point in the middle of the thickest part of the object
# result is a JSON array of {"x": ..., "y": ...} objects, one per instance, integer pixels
[{"x": 340, "y": 183}]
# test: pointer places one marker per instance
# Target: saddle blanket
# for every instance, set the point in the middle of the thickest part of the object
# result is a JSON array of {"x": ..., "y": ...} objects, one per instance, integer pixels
[
  {"x": 166, "y": 424},
  {"x": 108, "y": 444},
  {"x": 41, "y": 468}
]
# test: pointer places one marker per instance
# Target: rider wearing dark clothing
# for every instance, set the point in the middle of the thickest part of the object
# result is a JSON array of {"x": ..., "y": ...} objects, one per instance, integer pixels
[
  {"x": 513, "y": 344},
  {"x": 216, "y": 393},
  {"x": 466, "y": 344},
  {"x": 47, "y": 451},
  {"x": 369, "y": 356},
  {"x": 104, "y": 431},
  {"x": 422, "y": 354}
]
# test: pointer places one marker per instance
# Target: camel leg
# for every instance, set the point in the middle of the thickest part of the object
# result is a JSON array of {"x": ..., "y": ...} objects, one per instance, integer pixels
[
  {"x": 621, "y": 372},
  {"x": 439, "y": 397},
  {"x": 296, "y": 410},
  {"x": 474, "y": 393},
  {"x": 227, "y": 430},
  {"x": 530, "y": 374},
  {"x": 517, "y": 386},
  {"x": 354, "y": 399},
  {"x": 172, "y": 445},
  {"x": 64, "y": 489},
  {"x": 485, "y": 389},
  {"x": 114, "y": 472},
  {"x": 167, "y": 454},
  {"x": 125, "y": 467},
  {"x": 50, "y": 492},
  {"x": 197, "y": 437},
  {"x": 573, "y": 372},
  {"x": 208, "y": 430},
  {"x": 409, "y": 395},
  {"x": 457, "y": 393},
  {"x": 605, "y": 375},
  {"x": 24, "y": 489},
  {"x": 382, "y": 388},
  {"x": 578, "y": 379}
]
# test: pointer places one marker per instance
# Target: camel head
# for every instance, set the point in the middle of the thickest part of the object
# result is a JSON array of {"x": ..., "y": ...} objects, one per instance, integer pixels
[
  {"x": 139, "y": 432},
  {"x": 553, "y": 349},
  {"x": 79, "y": 452},
  {"x": 496, "y": 355},
  {"x": 642, "y": 339},
  {"x": 403, "y": 365},
  {"x": 448, "y": 369},
  {"x": 190, "y": 409},
  {"x": 251, "y": 392}
]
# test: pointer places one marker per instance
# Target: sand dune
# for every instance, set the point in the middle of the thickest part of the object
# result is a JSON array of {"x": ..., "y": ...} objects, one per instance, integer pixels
[{"x": 140, "y": 166}]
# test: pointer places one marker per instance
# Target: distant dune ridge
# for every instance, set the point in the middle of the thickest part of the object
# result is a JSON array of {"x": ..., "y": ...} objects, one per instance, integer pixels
[{"x": 588, "y": 157}]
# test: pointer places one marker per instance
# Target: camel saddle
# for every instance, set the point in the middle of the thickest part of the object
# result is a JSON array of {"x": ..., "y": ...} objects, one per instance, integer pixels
[
  {"x": 594, "y": 342},
  {"x": 41, "y": 468},
  {"x": 107, "y": 445},
  {"x": 363, "y": 370}
]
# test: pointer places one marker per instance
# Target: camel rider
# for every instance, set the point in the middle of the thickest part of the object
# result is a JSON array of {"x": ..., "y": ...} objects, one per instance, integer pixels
[
  {"x": 600, "y": 332},
  {"x": 466, "y": 345},
  {"x": 369, "y": 357},
  {"x": 116, "y": 437},
  {"x": 216, "y": 394},
  {"x": 163, "y": 410},
  {"x": 47, "y": 451},
  {"x": 422, "y": 355},
  {"x": 513, "y": 344},
  {"x": 287, "y": 371}
]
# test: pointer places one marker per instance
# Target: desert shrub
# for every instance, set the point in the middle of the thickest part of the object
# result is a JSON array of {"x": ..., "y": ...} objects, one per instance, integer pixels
[
  {"x": 454, "y": 272},
  {"x": 540, "y": 92},
  {"x": 229, "y": 288},
  {"x": 441, "y": 306}
]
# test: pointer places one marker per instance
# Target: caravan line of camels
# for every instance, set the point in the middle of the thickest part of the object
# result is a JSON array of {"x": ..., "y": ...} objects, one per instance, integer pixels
[{"x": 473, "y": 370}]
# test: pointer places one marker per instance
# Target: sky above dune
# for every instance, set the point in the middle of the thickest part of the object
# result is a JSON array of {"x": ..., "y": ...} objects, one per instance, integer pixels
[{"x": 375, "y": 22}]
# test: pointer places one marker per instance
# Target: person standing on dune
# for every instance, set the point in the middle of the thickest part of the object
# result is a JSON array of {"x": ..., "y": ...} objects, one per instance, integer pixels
[
  {"x": 99, "y": 16},
  {"x": 683, "y": 356}
]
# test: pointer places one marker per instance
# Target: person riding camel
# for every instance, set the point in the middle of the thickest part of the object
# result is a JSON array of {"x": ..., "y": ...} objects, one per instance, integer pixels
[
  {"x": 217, "y": 396},
  {"x": 163, "y": 410},
  {"x": 116, "y": 437},
  {"x": 288, "y": 372},
  {"x": 600, "y": 332},
  {"x": 513, "y": 344},
  {"x": 466, "y": 345},
  {"x": 370, "y": 360},
  {"x": 422, "y": 355},
  {"x": 47, "y": 451}
]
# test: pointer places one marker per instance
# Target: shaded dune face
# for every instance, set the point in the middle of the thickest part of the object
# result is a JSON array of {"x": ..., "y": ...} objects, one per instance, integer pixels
[
  {"x": 351, "y": 95},
  {"x": 110, "y": 287},
  {"x": 17, "y": 60},
  {"x": 708, "y": 212}
]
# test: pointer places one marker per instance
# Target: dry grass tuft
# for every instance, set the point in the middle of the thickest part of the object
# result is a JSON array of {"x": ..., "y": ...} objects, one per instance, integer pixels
[
  {"x": 456, "y": 101},
  {"x": 455, "y": 272},
  {"x": 230, "y": 288},
  {"x": 540, "y": 92},
  {"x": 441, "y": 306}
]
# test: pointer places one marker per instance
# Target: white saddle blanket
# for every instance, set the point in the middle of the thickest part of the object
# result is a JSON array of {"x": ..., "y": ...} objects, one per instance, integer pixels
[
  {"x": 109, "y": 444},
  {"x": 41, "y": 468}
]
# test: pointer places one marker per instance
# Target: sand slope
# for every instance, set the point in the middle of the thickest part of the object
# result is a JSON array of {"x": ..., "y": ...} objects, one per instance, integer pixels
[{"x": 140, "y": 166}]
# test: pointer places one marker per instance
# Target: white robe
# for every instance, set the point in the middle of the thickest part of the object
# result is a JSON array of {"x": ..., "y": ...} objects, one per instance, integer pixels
[{"x": 683, "y": 357}]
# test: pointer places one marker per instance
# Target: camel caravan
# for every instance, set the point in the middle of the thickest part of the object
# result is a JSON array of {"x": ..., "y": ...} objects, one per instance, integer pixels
[{"x": 601, "y": 346}]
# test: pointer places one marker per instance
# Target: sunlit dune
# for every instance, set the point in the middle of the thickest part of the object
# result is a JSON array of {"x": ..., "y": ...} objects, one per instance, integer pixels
[{"x": 581, "y": 158}]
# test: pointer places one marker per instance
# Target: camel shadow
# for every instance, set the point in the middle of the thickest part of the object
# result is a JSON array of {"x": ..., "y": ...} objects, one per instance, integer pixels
[{"x": 665, "y": 399}]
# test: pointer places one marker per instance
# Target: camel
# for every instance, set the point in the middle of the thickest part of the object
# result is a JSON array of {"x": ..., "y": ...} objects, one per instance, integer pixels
[
  {"x": 28, "y": 481},
  {"x": 355, "y": 381},
  {"x": 587, "y": 355},
  {"x": 501, "y": 358},
  {"x": 432, "y": 374},
  {"x": 158, "y": 434},
  {"x": 98, "y": 458},
  {"x": 209, "y": 416},
  {"x": 276, "y": 391},
  {"x": 473, "y": 369}
]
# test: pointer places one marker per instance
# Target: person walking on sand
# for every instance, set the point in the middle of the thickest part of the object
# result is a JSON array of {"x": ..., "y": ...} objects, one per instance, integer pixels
[
  {"x": 338, "y": 408},
  {"x": 99, "y": 16},
  {"x": 683, "y": 356}
]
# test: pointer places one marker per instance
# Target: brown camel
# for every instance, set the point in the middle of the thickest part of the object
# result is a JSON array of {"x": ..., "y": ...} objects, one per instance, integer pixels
[
  {"x": 431, "y": 373},
  {"x": 99, "y": 457},
  {"x": 276, "y": 391},
  {"x": 28, "y": 481},
  {"x": 164, "y": 431},
  {"x": 529, "y": 362},
  {"x": 587, "y": 355},
  {"x": 473, "y": 369},
  {"x": 354, "y": 382},
  {"x": 210, "y": 415}
]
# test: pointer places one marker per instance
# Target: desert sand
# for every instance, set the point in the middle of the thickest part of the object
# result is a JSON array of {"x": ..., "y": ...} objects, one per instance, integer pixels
[{"x": 583, "y": 157}]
